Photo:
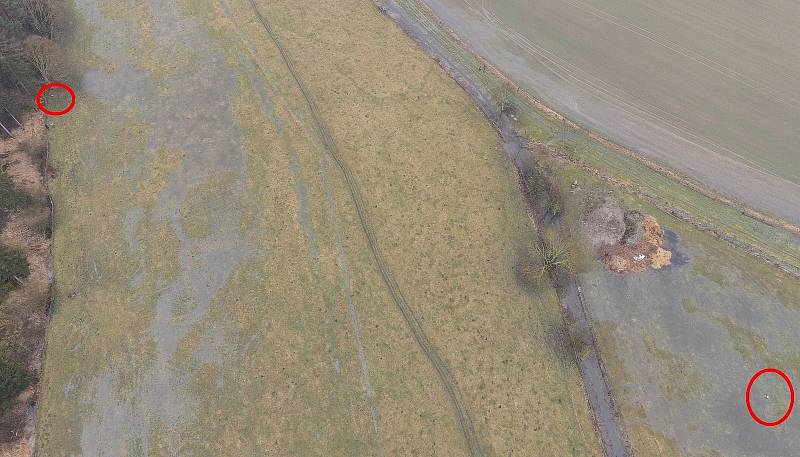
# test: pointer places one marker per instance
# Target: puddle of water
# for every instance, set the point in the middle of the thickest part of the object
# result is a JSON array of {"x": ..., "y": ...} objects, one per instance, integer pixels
[{"x": 671, "y": 241}]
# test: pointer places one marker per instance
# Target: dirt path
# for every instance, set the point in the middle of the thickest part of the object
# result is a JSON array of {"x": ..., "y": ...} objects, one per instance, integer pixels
[
  {"x": 413, "y": 324},
  {"x": 598, "y": 393}
]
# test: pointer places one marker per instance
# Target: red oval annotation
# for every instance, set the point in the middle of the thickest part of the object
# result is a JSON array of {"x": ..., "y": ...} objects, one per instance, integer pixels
[
  {"x": 791, "y": 397},
  {"x": 49, "y": 86}
]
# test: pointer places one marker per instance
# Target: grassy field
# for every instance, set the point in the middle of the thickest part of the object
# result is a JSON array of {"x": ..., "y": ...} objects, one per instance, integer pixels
[{"x": 215, "y": 294}]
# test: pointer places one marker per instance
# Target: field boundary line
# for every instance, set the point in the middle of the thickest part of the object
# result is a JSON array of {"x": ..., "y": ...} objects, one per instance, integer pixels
[
  {"x": 669, "y": 173},
  {"x": 51, "y": 289},
  {"x": 673, "y": 211}
]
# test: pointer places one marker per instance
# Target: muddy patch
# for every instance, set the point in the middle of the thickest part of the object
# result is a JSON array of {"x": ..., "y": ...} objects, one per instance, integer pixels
[{"x": 671, "y": 240}]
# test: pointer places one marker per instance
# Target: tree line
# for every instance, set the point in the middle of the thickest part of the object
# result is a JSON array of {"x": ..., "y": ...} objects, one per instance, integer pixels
[{"x": 28, "y": 54}]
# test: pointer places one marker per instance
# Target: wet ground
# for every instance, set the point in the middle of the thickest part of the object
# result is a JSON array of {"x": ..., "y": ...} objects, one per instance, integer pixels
[
  {"x": 188, "y": 114},
  {"x": 683, "y": 342}
]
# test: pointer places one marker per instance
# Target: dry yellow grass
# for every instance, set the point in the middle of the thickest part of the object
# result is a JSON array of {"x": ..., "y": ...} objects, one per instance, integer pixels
[
  {"x": 448, "y": 215},
  {"x": 274, "y": 365}
]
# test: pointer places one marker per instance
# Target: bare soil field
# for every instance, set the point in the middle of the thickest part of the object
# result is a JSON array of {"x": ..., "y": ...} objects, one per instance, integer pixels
[
  {"x": 215, "y": 293},
  {"x": 705, "y": 88}
]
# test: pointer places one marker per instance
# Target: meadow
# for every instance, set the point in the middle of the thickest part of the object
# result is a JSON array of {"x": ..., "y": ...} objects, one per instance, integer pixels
[{"x": 215, "y": 293}]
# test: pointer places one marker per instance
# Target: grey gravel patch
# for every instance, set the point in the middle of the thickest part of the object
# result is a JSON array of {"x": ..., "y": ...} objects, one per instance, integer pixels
[
  {"x": 260, "y": 88},
  {"x": 131, "y": 228},
  {"x": 213, "y": 347},
  {"x": 100, "y": 433},
  {"x": 131, "y": 222}
]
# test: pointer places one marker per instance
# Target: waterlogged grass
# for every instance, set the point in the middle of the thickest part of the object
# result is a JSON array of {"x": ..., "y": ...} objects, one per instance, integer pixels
[
  {"x": 201, "y": 208},
  {"x": 746, "y": 342},
  {"x": 96, "y": 317},
  {"x": 679, "y": 379}
]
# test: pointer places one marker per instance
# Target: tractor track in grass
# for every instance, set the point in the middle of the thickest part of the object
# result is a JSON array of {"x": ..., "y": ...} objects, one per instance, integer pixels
[
  {"x": 412, "y": 322},
  {"x": 597, "y": 390}
]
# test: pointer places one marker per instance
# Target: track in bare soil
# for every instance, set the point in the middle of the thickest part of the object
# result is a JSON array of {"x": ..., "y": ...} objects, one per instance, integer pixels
[
  {"x": 722, "y": 111},
  {"x": 596, "y": 385},
  {"x": 414, "y": 326}
]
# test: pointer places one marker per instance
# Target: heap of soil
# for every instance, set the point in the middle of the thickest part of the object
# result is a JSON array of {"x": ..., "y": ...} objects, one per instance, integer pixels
[{"x": 625, "y": 241}]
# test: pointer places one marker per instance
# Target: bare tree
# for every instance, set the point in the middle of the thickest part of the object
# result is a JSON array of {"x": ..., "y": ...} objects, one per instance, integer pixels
[
  {"x": 504, "y": 94},
  {"x": 577, "y": 338},
  {"x": 11, "y": 54},
  {"x": 550, "y": 255},
  {"x": 40, "y": 14},
  {"x": 42, "y": 53}
]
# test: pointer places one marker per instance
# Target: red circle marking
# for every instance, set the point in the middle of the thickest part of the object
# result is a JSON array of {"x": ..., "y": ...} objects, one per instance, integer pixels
[
  {"x": 49, "y": 86},
  {"x": 791, "y": 397}
]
